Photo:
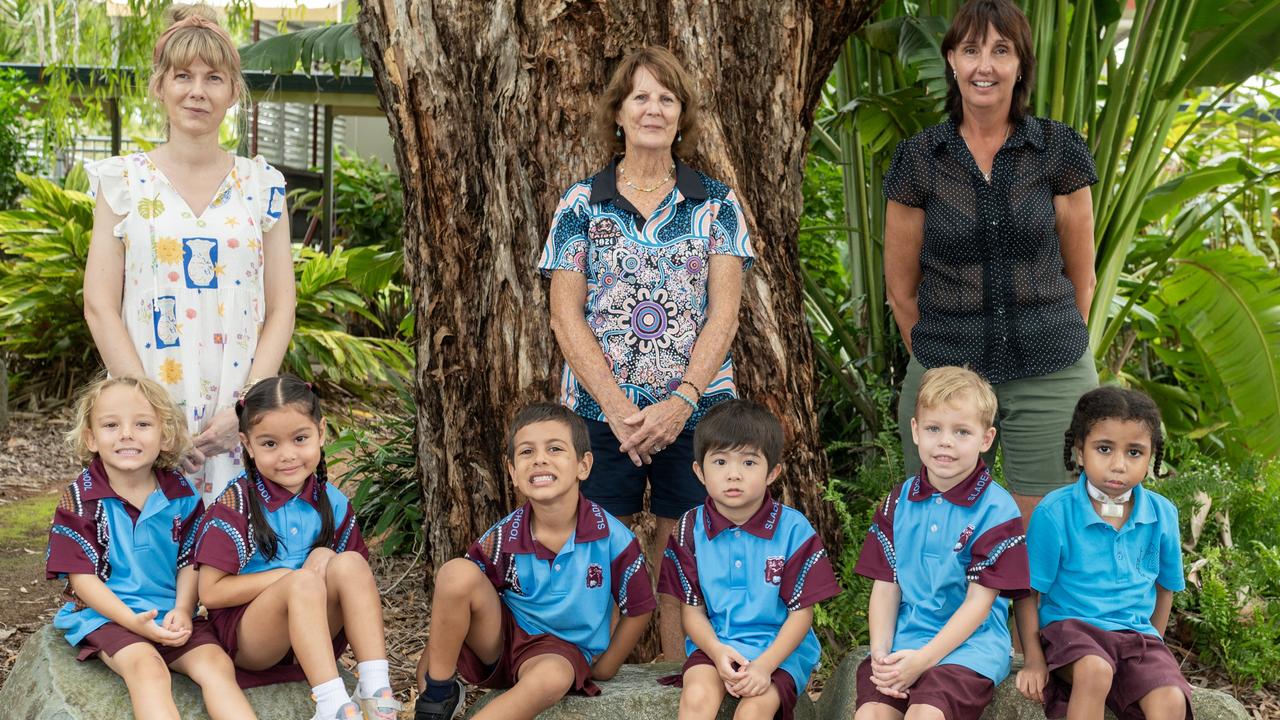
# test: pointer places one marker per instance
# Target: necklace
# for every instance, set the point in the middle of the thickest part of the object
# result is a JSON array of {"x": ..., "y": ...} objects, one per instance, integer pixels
[
  {"x": 623, "y": 173},
  {"x": 986, "y": 175},
  {"x": 1111, "y": 507}
]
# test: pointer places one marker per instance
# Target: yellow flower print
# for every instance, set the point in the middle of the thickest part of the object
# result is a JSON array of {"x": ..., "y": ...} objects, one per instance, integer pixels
[
  {"x": 219, "y": 269},
  {"x": 170, "y": 371},
  {"x": 232, "y": 221},
  {"x": 169, "y": 250},
  {"x": 150, "y": 208},
  {"x": 222, "y": 309}
]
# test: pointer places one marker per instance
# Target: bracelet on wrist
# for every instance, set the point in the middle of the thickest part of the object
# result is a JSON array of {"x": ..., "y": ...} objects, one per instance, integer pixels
[
  {"x": 697, "y": 392},
  {"x": 688, "y": 400}
]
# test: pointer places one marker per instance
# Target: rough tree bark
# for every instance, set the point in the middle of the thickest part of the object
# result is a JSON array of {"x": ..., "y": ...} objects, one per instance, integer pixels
[{"x": 490, "y": 106}]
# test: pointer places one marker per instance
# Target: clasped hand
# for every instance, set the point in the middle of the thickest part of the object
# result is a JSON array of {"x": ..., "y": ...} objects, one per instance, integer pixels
[
  {"x": 893, "y": 674},
  {"x": 174, "y": 632},
  {"x": 741, "y": 677},
  {"x": 647, "y": 432}
]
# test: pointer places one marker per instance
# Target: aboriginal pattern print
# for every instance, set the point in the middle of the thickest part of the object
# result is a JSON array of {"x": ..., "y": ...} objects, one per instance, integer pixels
[{"x": 646, "y": 286}]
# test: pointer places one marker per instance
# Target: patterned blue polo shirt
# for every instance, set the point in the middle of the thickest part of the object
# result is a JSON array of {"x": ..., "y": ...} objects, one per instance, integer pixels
[{"x": 646, "y": 280}]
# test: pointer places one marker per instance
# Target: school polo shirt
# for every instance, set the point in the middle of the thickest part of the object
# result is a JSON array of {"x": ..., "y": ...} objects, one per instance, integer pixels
[
  {"x": 568, "y": 594},
  {"x": 136, "y": 553},
  {"x": 646, "y": 280},
  {"x": 1087, "y": 570},
  {"x": 933, "y": 545},
  {"x": 750, "y": 577},
  {"x": 225, "y": 538}
]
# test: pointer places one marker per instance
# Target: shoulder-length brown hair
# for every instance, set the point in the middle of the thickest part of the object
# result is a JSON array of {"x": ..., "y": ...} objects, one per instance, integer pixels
[
  {"x": 667, "y": 70},
  {"x": 971, "y": 23}
]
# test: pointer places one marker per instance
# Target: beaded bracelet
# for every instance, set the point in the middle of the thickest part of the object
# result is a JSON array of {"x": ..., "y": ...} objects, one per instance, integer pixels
[
  {"x": 695, "y": 388},
  {"x": 685, "y": 398}
]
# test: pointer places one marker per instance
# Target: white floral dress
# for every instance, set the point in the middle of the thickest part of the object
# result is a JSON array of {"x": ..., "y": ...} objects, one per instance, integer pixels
[{"x": 193, "y": 290}]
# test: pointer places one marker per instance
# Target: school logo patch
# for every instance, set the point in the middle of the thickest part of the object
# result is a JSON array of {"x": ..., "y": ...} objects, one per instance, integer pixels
[
  {"x": 773, "y": 569},
  {"x": 604, "y": 230},
  {"x": 595, "y": 576},
  {"x": 176, "y": 530},
  {"x": 964, "y": 539}
]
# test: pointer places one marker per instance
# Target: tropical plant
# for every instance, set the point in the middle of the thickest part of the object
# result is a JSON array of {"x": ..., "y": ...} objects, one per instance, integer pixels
[
  {"x": 331, "y": 45},
  {"x": 43, "y": 246},
  {"x": 15, "y": 106},
  {"x": 381, "y": 465},
  {"x": 332, "y": 289},
  {"x": 368, "y": 202}
]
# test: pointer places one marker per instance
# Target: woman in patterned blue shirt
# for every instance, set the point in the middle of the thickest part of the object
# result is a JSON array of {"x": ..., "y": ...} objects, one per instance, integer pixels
[{"x": 646, "y": 260}]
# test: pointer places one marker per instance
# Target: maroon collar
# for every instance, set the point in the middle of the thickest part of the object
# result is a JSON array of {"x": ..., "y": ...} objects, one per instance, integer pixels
[
  {"x": 593, "y": 524},
  {"x": 762, "y": 524},
  {"x": 274, "y": 496},
  {"x": 964, "y": 494},
  {"x": 94, "y": 484}
]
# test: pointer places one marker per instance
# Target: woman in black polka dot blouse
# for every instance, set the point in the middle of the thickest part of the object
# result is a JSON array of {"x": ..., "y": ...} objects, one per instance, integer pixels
[{"x": 989, "y": 248}]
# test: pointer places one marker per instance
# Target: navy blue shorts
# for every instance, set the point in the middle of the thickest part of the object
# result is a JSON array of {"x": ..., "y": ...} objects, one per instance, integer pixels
[{"x": 617, "y": 485}]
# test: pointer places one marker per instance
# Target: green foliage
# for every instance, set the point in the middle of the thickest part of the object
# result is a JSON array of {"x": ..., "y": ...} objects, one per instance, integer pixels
[
  {"x": 381, "y": 465},
  {"x": 369, "y": 204},
  {"x": 1230, "y": 525},
  {"x": 332, "y": 45},
  {"x": 329, "y": 300},
  {"x": 44, "y": 244},
  {"x": 15, "y": 107}
]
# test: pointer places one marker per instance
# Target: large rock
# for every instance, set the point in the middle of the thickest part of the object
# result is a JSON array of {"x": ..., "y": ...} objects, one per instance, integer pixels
[
  {"x": 840, "y": 695},
  {"x": 634, "y": 694},
  {"x": 47, "y": 683}
]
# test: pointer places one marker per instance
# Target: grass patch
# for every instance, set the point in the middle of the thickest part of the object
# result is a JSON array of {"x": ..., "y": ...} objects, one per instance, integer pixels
[{"x": 25, "y": 524}]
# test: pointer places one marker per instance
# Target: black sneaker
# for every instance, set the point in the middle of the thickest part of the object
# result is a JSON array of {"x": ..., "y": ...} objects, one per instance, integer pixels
[{"x": 448, "y": 709}]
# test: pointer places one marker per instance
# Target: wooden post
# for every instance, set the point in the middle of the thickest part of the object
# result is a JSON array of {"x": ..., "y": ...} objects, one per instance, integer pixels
[{"x": 326, "y": 231}]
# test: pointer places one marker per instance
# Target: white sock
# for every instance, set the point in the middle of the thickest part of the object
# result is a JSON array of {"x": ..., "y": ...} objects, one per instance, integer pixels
[
  {"x": 374, "y": 675},
  {"x": 330, "y": 696}
]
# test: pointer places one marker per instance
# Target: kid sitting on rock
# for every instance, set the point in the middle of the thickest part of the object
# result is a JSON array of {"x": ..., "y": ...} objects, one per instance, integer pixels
[
  {"x": 749, "y": 571},
  {"x": 529, "y": 607},
  {"x": 946, "y": 550}
]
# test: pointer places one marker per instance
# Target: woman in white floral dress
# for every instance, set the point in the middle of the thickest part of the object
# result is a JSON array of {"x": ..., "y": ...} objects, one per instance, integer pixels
[{"x": 189, "y": 279}]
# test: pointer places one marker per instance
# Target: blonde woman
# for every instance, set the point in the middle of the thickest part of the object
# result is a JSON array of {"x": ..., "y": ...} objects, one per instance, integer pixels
[{"x": 189, "y": 279}]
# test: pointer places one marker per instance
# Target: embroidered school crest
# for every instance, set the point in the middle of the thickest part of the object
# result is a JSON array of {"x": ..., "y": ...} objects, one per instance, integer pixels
[
  {"x": 773, "y": 569},
  {"x": 595, "y": 575},
  {"x": 176, "y": 530},
  {"x": 964, "y": 539},
  {"x": 604, "y": 230}
]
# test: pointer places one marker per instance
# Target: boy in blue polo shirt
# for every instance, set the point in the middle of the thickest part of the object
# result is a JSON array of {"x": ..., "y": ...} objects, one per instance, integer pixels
[
  {"x": 947, "y": 552},
  {"x": 121, "y": 537},
  {"x": 1106, "y": 559},
  {"x": 529, "y": 607},
  {"x": 749, "y": 571}
]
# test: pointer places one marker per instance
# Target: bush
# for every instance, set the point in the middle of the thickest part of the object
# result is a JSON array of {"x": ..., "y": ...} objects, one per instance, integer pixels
[
  {"x": 44, "y": 244},
  {"x": 388, "y": 498},
  {"x": 15, "y": 104},
  {"x": 369, "y": 204},
  {"x": 1230, "y": 524}
]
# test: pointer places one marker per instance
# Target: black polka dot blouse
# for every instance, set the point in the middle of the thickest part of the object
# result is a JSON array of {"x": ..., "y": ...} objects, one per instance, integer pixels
[{"x": 993, "y": 293}]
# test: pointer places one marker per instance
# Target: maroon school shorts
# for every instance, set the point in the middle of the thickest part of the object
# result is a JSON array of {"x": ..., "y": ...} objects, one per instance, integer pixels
[
  {"x": 110, "y": 638},
  {"x": 781, "y": 679},
  {"x": 960, "y": 693},
  {"x": 1141, "y": 663},
  {"x": 226, "y": 626},
  {"x": 518, "y": 647}
]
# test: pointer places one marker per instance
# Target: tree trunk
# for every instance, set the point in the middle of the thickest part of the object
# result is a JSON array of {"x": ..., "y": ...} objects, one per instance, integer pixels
[{"x": 490, "y": 107}]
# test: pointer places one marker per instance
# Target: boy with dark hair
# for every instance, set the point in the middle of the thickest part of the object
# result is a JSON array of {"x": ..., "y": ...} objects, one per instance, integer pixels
[
  {"x": 529, "y": 607},
  {"x": 748, "y": 570}
]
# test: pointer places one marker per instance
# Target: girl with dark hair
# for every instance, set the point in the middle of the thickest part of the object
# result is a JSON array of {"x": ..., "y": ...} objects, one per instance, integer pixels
[
  {"x": 989, "y": 248},
  {"x": 1106, "y": 559},
  {"x": 285, "y": 584}
]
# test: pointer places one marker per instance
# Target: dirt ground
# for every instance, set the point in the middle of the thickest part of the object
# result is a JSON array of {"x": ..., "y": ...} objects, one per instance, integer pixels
[{"x": 34, "y": 466}]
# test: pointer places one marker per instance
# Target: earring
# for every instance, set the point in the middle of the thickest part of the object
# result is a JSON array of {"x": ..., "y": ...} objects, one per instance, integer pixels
[
  {"x": 679, "y": 136},
  {"x": 1019, "y": 77},
  {"x": 617, "y": 131}
]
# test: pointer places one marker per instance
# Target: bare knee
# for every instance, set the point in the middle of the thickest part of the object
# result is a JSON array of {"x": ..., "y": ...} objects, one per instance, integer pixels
[
  {"x": 1091, "y": 671},
  {"x": 698, "y": 694},
  {"x": 547, "y": 681},
  {"x": 877, "y": 711},
  {"x": 306, "y": 586},
  {"x": 143, "y": 667},
  {"x": 457, "y": 579},
  {"x": 1164, "y": 703},
  {"x": 923, "y": 711},
  {"x": 761, "y": 707},
  {"x": 348, "y": 566}
]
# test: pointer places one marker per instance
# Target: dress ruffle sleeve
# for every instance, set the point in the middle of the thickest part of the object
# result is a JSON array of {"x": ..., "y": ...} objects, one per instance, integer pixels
[
  {"x": 267, "y": 187},
  {"x": 110, "y": 179}
]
